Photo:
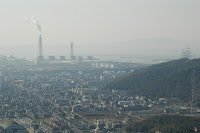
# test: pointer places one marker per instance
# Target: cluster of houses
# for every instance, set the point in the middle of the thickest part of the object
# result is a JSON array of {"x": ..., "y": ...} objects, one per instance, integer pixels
[{"x": 70, "y": 101}]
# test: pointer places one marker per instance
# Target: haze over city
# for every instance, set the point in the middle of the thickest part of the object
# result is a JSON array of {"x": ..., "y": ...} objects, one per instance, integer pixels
[
  {"x": 99, "y": 66},
  {"x": 113, "y": 27}
]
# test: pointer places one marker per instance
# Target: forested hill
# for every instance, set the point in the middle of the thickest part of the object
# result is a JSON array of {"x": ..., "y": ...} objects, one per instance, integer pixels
[
  {"x": 169, "y": 79},
  {"x": 165, "y": 124}
]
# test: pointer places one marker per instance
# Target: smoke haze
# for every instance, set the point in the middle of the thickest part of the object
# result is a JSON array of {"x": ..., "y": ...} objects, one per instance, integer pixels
[{"x": 101, "y": 27}]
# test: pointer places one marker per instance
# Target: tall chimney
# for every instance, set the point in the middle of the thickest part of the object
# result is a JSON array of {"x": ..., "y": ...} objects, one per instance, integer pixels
[
  {"x": 72, "y": 52},
  {"x": 40, "y": 56},
  {"x": 72, "y": 49}
]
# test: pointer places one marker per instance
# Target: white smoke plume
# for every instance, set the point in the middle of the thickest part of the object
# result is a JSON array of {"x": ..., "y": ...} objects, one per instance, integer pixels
[{"x": 33, "y": 20}]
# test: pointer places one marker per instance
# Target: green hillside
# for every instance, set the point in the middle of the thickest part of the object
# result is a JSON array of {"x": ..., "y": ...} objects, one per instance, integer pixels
[
  {"x": 165, "y": 124},
  {"x": 169, "y": 79}
]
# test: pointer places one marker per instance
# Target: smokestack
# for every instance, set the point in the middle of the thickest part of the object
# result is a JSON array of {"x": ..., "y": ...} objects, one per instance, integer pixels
[
  {"x": 72, "y": 49},
  {"x": 37, "y": 25},
  {"x": 72, "y": 52},
  {"x": 40, "y": 54}
]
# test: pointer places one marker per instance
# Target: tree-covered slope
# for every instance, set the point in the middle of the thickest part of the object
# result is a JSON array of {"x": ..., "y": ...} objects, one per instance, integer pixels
[
  {"x": 165, "y": 124},
  {"x": 169, "y": 79}
]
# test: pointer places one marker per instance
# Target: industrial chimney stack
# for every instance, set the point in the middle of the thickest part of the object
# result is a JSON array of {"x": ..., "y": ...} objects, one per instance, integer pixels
[
  {"x": 72, "y": 52},
  {"x": 72, "y": 49},
  {"x": 40, "y": 56}
]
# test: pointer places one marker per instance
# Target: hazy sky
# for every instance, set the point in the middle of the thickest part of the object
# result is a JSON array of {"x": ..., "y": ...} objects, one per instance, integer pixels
[{"x": 92, "y": 23}]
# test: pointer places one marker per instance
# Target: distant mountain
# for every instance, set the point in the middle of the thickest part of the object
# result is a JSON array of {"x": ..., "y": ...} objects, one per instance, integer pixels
[
  {"x": 153, "y": 46},
  {"x": 139, "y": 47},
  {"x": 165, "y": 124},
  {"x": 169, "y": 79}
]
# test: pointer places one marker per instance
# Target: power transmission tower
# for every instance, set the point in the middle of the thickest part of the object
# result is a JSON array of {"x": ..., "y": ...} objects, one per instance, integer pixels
[
  {"x": 186, "y": 53},
  {"x": 194, "y": 92}
]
